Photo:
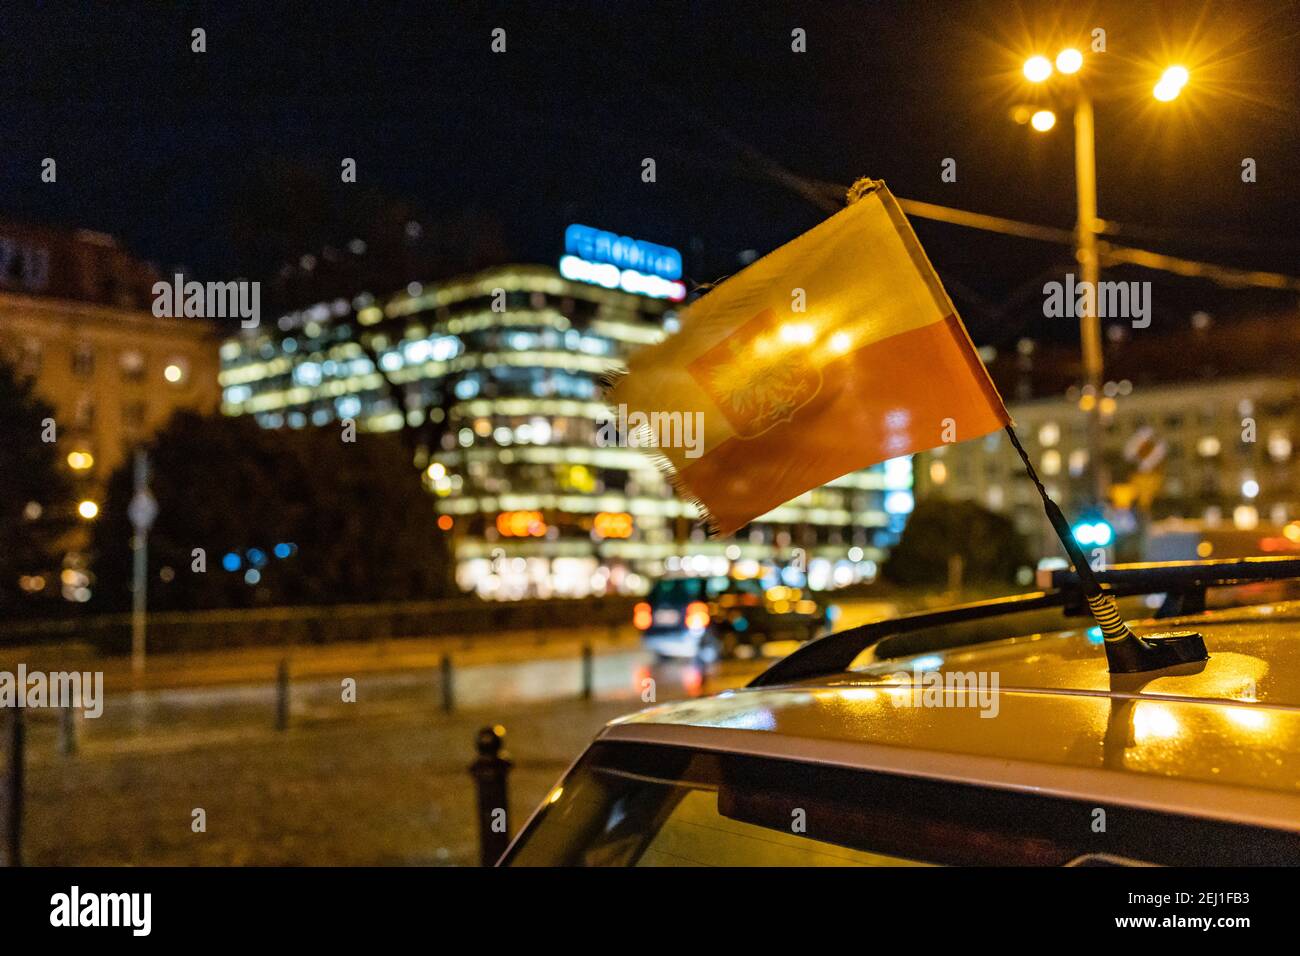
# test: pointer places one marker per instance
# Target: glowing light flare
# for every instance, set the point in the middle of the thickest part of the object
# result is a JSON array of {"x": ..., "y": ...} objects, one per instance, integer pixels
[
  {"x": 521, "y": 524},
  {"x": 1154, "y": 722},
  {"x": 1177, "y": 76},
  {"x": 1248, "y": 718},
  {"x": 1171, "y": 83},
  {"x": 1037, "y": 69},
  {"x": 642, "y": 616},
  {"x": 1043, "y": 120},
  {"x": 697, "y": 616},
  {"x": 611, "y": 524},
  {"x": 88, "y": 509},
  {"x": 1069, "y": 60},
  {"x": 796, "y": 333}
]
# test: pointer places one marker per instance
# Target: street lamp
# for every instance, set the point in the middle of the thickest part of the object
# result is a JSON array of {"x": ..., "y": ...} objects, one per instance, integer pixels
[
  {"x": 1037, "y": 69},
  {"x": 1070, "y": 62},
  {"x": 1171, "y": 83}
]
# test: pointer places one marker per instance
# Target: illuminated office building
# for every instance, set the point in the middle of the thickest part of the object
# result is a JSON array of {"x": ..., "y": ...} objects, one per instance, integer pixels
[
  {"x": 1205, "y": 441},
  {"x": 499, "y": 374}
]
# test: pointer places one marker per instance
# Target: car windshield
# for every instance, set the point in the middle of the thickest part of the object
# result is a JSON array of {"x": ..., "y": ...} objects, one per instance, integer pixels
[{"x": 647, "y": 805}]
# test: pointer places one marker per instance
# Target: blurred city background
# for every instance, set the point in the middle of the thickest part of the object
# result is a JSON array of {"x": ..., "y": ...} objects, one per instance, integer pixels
[{"x": 396, "y": 477}]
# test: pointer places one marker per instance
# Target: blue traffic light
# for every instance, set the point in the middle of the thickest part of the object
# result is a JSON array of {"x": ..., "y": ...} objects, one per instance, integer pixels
[{"x": 1098, "y": 533}]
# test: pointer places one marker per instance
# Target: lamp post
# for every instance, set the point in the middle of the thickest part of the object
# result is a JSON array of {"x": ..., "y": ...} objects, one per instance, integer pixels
[
  {"x": 1085, "y": 178},
  {"x": 1039, "y": 69},
  {"x": 142, "y": 511}
]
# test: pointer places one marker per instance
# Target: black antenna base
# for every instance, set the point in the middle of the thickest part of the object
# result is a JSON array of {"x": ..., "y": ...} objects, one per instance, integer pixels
[{"x": 1152, "y": 652}]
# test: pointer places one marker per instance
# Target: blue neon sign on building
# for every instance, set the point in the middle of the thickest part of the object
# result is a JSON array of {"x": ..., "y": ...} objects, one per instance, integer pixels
[{"x": 599, "y": 246}]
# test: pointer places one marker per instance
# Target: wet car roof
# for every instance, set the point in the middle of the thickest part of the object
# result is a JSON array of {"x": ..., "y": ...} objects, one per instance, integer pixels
[
  {"x": 1254, "y": 655},
  {"x": 1220, "y": 738}
]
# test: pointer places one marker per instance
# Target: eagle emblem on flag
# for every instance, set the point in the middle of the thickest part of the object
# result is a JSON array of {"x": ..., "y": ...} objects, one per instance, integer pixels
[{"x": 756, "y": 378}]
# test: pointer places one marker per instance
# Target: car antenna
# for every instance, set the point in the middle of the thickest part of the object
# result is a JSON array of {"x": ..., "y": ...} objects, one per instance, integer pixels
[{"x": 1126, "y": 653}]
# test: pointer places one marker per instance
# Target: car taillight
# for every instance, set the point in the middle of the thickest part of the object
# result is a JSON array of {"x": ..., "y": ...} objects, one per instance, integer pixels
[
  {"x": 697, "y": 615},
  {"x": 641, "y": 616}
]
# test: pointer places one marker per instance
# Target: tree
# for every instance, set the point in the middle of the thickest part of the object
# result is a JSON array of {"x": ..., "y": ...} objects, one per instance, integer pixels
[
  {"x": 991, "y": 548},
  {"x": 37, "y": 505},
  {"x": 318, "y": 519}
]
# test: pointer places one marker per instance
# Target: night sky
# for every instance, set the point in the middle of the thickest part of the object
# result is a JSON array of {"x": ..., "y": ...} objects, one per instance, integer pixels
[{"x": 159, "y": 145}]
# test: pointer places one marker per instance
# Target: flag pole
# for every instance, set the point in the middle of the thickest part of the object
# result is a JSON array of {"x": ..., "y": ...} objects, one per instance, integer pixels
[{"x": 1126, "y": 653}]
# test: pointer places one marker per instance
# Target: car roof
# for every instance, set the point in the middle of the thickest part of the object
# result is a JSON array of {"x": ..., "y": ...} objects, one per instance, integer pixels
[{"x": 1220, "y": 739}]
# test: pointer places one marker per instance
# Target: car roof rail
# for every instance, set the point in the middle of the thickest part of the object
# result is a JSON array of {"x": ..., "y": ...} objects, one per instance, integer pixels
[{"x": 1183, "y": 582}]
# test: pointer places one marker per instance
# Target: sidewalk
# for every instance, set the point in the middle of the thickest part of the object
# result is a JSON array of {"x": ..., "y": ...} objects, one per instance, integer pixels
[{"x": 383, "y": 789}]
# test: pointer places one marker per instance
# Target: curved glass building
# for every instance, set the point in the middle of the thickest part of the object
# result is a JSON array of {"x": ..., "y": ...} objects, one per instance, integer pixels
[{"x": 497, "y": 378}]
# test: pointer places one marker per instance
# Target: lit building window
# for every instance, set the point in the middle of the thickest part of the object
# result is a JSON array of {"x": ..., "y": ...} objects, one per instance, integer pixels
[
  {"x": 83, "y": 361},
  {"x": 1049, "y": 434},
  {"x": 83, "y": 415},
  {"x": 132, "y": 364},
  {"x": 1245, "y": 517},
  {"x": 1051, "y": 462},
  {"x": 1078, "y": 462},
  {"x": 1207, "y": 446},
  {"x": 1279, "y": 446},
  {"x": 938, "y": 472},
  {"x": 29, "y": 364}
]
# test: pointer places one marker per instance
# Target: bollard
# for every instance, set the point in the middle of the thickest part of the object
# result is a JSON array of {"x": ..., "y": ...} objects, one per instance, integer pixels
[
  {"x": 448, "y": 688},
  {"x": 282, "y": 695},
  {"x": 489, "y": 771},
  {"x": 67, "y": 731},
  {"x": 588, "y": 672},
  {"x": 12, "y": 818}
]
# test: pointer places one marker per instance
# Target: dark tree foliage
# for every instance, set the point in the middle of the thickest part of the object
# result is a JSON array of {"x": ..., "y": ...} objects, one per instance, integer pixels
[
  {"x": 361, "y": 527},
  {"x": 991, "y": 548},
  {"x": 37, "y": 505},
  {"x": 287, "y": 210}
]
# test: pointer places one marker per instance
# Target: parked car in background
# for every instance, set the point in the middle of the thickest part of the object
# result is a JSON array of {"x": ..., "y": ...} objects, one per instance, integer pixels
[{"x": 707, "y": 618}]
